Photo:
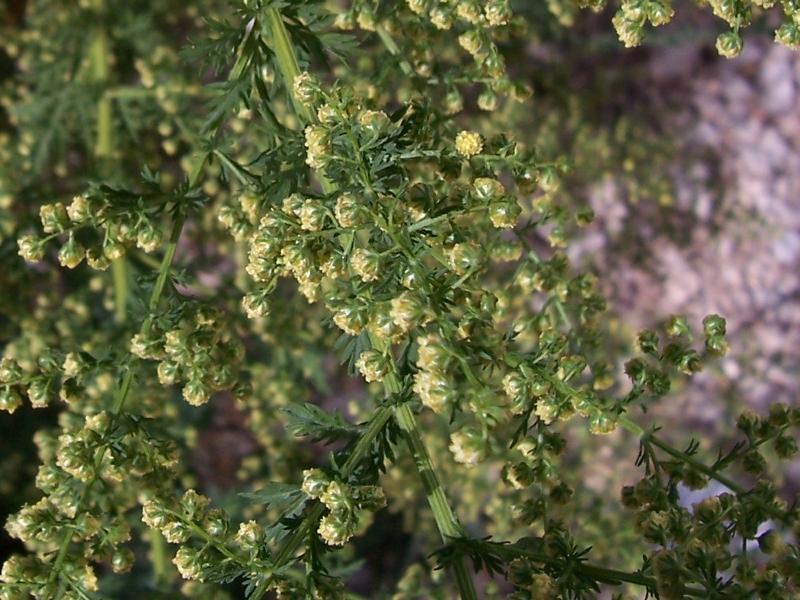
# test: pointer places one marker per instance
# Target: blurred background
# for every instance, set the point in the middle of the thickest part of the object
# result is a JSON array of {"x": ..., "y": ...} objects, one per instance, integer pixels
[{"x": 691, "y": 163}]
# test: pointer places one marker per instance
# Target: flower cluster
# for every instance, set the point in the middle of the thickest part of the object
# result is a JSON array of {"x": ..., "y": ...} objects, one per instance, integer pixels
[
  {"x": 364, "y": 220},
  {"x": 633, "y": 15},
  {"x": 476, "y": 28},
  {"x": 346, "y": 504},
  {"x": 99, "y": 226},
  {"x": 194, "y": 347}
]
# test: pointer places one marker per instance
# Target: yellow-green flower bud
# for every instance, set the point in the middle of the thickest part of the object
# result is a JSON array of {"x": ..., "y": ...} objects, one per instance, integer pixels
[
  {"x": 71, "y": 253},
  {"x": 54, "y": 217},
  {"x": 469, "y": 143},
  {"x": 366, "y": 264},
  {"x": 729, "y": 44},
  {"x": 31, "y": 248}
]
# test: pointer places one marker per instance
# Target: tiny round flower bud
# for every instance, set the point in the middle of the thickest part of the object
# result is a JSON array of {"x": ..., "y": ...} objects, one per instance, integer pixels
[
  {"x": 469, "y": 12},
  {"x": 196, "y": 392},
  {"x": 442, "y": 19},
  {"x": 249, "y": 534},
  {"x": 366, "y": 264},
  {"x": 406, "y": 311},
  {"x": 148, "y": 238},
  {"x": 326, "y": 114},
  {"x": 122, "y": 561},
  {"x": 87, "y": 579},
  {"x": 366, "y": 19},
  {"x": 628, "y": 30},
  {"x": 465, "y": 257},
  {"x": 468, "y": 446},
  {"x": 453, "y": 102},
  {"x": 256, "y": 305},
  {"x": 305, "y": 88},
  {"x": 434, "y": 391},
  {"x": 788, "y": 35},
  {"x": 373, "y": 365},
  {"x": 10, "y": 399},
  {"x": 515, "y": 387},
  {"x": 113, "y": 250},
  {"x": 315, "y": 482},
  {"x": 10, "y": 370},
  {"x": 374, "y": 122},
  {"x": 348, "y": 211},
  {"x": 54, "y": 217},
  {"x": 497, "y": 12},
  {"x": 154, "y": 515},
  {"x": 312, "y": 215},
  {"x": 504, "y": 213},
  {"x": 79, "y": 210},
  {"x": 729, "y": 44},
  {"x": 292, "y": 204},
  {"x": 487, "y": 100},
  {"x": 216, "y": 523},
  {"x": 772, "y": 543},
  {"x": 469, "y": 143},
  {"x": 336, "y": 496},
  {"x": 316, "y": 146},
  {"x": 334, "y": 530},
  {"x": 40, "y": 392},
  {"x": 187, "y": 561},
  {"x": 350, "y": 320},
  {"x": 546, "y": 410},
  {"x": 487, "y": 188},
  {"x": 417, "y": 6},
  {"x": 71, "y": 253},
  {"x": 97, "y": 260},
  {"x": 31, "y": 248}
]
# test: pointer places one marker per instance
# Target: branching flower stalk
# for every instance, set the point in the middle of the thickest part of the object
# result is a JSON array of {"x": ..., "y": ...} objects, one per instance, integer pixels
[
  {"x": 350, "y": 210},
  {"x": 445, "y": 518},
  {"x": 127, "y": 379}
]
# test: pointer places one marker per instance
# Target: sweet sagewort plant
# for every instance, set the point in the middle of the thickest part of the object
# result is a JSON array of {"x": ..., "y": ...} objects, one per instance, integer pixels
[{"x": 337, "y": 200}]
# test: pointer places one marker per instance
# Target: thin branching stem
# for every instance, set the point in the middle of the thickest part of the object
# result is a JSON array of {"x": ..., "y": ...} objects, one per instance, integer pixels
[{"x": 444, "y": 515}]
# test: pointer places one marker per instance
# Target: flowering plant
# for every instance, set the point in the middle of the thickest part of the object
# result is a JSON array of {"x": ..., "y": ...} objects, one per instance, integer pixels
[{"x": 308, "y": 202}]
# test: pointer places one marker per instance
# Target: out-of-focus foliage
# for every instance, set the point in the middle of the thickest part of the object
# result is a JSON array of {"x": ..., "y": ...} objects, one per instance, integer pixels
[{"x": 245, "y": 203}]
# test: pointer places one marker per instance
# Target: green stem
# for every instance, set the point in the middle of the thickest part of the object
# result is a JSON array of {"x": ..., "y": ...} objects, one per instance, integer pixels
[
  {"x": 119, "y": 271},
  {"x": 650, "y": 437},
  {"x": 310, "y": 521},
  {"x": 443, "y": 514},
  {"x": 152, "y": 305},
  {"x": 645, "y": 436},
  {"x": 598, "y": 573},
  {"x": 446, "y": 520},
  {"x": 135, "y": 93},
  {"x": 287, "y": 60},
  {"x": 289, "y": 68},
  {"x": 158, "y": 556},
  {"x": 99, "y": 56},
  {"x": 127, "y": 380},
  {"x": 393, "y": 49}
]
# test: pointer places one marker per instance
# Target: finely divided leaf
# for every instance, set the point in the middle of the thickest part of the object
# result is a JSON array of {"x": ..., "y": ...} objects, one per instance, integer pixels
[{"x": 309, "y": 420}]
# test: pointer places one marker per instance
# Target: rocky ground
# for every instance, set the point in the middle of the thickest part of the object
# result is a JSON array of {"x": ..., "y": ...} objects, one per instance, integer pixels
[{"x": 738, "y": 251}]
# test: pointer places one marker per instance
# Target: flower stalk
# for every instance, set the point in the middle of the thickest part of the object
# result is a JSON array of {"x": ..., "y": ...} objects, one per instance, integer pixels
[{"x": 444, "y": 515}]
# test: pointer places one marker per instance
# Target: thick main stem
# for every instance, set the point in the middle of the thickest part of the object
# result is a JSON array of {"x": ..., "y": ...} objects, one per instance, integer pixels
[{"x": 446, "y": 520}]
